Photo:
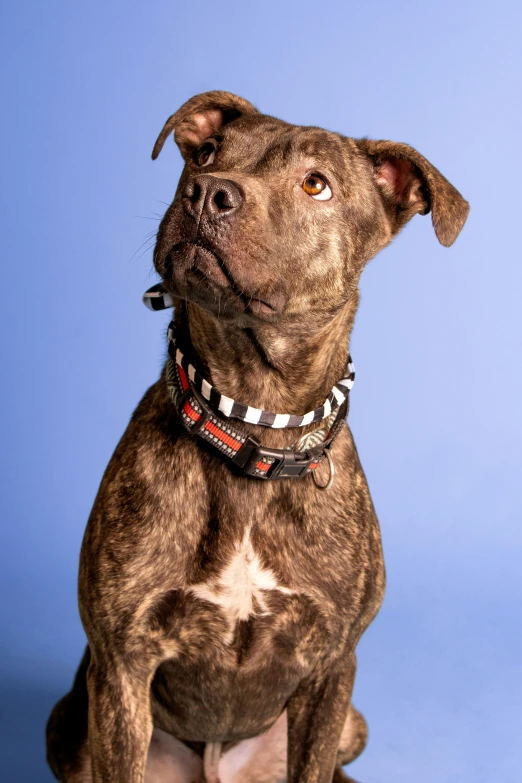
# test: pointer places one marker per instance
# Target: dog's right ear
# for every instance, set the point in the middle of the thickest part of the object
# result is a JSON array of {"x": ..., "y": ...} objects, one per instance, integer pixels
[{"x": 200, "y": 117}]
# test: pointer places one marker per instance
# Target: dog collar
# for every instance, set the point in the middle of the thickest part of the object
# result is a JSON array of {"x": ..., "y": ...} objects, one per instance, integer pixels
[
  {"x": 204, "y": 411},
  {"x": 238, "y": 410}
]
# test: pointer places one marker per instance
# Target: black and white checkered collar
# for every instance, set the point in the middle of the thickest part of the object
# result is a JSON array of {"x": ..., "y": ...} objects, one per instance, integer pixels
[{"x": 157, "y": 298}]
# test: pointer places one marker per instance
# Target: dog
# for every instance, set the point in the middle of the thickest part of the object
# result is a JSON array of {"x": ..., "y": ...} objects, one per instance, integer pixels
[{"x": 223, "y": 591}]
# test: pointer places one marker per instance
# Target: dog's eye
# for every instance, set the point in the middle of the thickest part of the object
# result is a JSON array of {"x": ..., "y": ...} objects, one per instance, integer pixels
[
  {"x": 205, "y": 154},
  {"x": 317, "y": 188}
]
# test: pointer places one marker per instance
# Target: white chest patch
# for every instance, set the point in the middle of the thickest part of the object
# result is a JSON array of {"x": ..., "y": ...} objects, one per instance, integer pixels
[{"x": 239, "y": 590}]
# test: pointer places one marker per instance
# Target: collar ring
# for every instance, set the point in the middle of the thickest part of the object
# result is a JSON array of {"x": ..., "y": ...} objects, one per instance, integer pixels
[{"x": 330, "y": 482}]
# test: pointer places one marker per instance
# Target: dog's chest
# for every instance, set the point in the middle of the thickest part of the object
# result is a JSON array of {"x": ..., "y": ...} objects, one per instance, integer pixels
[
  {"x": 241, "y": 589},
  {"x": 242, "y": 600},
  {"x": 245, "y": 635}
]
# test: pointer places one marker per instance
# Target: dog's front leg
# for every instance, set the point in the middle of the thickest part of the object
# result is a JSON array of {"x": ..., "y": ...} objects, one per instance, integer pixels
[
  {"x": 316, "y": 715},
  {"x": 120, "y": 722}
]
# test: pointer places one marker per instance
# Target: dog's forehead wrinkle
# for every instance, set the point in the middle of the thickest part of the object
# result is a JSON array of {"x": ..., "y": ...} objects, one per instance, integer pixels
[{"x": 266, "y": 147}]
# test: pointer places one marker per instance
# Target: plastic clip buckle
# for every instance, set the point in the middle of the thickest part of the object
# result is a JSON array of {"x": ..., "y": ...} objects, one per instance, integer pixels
[{"x": 286, "y": 464}]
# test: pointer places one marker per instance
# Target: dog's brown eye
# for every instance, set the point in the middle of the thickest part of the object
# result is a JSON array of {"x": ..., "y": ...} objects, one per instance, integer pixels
[
  {"x": 316, "y": 187},
  {"x": 205, "y": 154}
]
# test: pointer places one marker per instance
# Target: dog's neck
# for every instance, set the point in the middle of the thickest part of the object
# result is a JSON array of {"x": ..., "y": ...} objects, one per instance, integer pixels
[{"x": 284, "y": 370}]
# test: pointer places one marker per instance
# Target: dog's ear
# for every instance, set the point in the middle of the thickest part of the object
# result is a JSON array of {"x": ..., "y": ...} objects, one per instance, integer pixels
[
  {"x": 409, "y": 184},
  {"x": 200, "y": 117}
]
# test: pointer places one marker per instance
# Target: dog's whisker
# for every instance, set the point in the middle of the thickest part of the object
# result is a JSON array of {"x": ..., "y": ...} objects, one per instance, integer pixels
[
  {"x": 149, "y": 247},
  {"x": 149, "y": 238}
]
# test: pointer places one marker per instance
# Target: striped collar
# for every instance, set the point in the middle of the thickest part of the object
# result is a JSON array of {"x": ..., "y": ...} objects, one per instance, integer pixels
[
  {"x": 157, "y": 298},
  {"x": 231, "y": 409},
  {"x": 205, "y": 413}
]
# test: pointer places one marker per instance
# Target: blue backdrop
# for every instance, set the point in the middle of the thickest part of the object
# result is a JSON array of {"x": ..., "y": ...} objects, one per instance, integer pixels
[{"x": 436, "y": 409}]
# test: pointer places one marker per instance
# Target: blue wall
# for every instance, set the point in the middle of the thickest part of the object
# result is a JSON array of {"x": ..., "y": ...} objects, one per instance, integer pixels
[{"x": 436, "y": 409}]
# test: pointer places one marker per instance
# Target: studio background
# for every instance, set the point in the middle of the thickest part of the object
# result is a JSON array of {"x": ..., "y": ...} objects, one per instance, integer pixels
[{"x": 435, "y": 411}]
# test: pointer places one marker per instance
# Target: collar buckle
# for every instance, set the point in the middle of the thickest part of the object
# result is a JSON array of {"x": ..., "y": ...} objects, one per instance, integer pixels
[{"x": 276, "y": 464}]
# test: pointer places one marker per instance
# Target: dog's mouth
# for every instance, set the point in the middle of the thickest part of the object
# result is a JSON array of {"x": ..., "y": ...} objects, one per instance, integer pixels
[{"x": 196, "y": 272}]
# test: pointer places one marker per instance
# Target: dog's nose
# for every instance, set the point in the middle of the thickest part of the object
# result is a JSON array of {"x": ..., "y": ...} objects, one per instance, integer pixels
[{"x": 212, "y": 196}]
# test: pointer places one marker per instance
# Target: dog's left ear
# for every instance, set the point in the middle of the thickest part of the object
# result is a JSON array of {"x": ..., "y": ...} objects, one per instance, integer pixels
[
  {"x": 200, "y": 117},
  {"x": 409, "y": 184}
]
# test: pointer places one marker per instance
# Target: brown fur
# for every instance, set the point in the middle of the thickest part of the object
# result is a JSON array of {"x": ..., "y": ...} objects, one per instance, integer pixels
[{"x": 266, "y": 295}]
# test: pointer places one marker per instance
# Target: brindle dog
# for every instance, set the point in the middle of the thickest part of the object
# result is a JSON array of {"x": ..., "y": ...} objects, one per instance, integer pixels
[{"x": 222, "y": 612}]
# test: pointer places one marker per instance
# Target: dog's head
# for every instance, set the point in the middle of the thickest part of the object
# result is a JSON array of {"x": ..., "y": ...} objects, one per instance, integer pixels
[{"x": 272, "y": 220}]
